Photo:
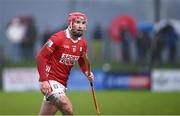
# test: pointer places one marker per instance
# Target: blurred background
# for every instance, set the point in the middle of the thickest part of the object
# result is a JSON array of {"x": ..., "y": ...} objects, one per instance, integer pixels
[{"x": 133, "y": 47}]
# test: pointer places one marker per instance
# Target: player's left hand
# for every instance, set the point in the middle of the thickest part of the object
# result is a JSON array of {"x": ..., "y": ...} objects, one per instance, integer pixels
[
  {"x": 90, "y": 77},
  {"x": 45, "y": 87}
]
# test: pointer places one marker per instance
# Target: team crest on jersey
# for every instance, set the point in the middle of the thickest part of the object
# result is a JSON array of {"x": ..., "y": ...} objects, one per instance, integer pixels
[
  {"x": 49, "y": 43},
  {"x": 80, "y": 49},
  {"x": 66, "y": 46},
  {"x": 68, "y": 59},
  {"x": 74, "y": 49}
]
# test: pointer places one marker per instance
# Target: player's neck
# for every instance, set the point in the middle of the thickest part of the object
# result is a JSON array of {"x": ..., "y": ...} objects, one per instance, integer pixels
[{"x": 73, "y": 37}]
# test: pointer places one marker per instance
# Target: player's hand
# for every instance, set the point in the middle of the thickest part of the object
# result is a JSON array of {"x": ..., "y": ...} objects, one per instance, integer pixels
[
  {"x": 45, "y": 87},
  {"x": 90, "y": 77}
]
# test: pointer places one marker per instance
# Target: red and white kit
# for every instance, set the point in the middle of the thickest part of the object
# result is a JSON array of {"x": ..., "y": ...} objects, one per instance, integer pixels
[{"x": 59, "y": 55}]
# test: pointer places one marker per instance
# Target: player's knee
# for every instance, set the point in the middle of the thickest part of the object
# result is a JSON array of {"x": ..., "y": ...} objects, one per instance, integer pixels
[
  {"x": 68, "y": 110},
  {"x": 61, "y": 104}
]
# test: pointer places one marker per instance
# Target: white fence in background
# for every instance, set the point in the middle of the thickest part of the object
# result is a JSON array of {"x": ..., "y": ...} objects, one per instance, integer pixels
[
  {"x": 165, "y": 80},
  {"x": 159, "y": 80},
  {"x": 20, "y": 79}
]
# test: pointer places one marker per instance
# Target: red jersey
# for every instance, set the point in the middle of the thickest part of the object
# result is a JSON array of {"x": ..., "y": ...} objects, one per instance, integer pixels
[{"x": 58, "y": 56}]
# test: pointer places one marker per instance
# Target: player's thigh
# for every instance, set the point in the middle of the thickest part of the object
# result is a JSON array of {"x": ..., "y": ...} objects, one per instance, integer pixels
[
  {"x": 47, "y": 108},
  {"x": 65, "y": 101},
  {"x": 66, "y": 105},
  {"x": 58, "y": 96}
]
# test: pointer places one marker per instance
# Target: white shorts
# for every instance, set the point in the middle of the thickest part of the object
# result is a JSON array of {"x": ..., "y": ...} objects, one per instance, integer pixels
[{"x": 57, "y": 88}]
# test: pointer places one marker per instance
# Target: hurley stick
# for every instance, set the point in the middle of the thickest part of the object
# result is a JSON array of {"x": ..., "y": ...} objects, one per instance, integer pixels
[{"x": 91, "y": 83}]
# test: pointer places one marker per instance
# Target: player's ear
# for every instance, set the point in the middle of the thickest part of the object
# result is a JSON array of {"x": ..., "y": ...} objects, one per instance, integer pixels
[
  {"x": 86, "y": 26},
  {"x": 70, "y": 26}
]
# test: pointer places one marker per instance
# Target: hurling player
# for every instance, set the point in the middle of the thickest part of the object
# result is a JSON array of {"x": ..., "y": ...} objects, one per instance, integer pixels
[{"x": 55, "y": 60}]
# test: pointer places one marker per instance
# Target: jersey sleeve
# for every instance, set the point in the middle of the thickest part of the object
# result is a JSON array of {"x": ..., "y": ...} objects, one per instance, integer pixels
[
  {"x": 52, "y": 43},
  {"x": 44, "y": 55}
]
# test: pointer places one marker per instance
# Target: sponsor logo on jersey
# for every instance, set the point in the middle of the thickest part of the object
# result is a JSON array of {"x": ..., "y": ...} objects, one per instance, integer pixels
[
  {"x": 49, "y": 43},
  {"x": 68, "y": 59}
]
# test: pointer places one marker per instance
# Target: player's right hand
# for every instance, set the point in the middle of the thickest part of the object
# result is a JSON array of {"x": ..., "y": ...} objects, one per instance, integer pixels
[
  {"x": 90, "y": 76},
  {"x": 45, "y": 87}
]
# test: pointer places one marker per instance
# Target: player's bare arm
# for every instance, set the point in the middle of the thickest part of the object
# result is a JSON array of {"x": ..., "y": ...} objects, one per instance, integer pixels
[
  {"x": 85, "y": 66},
  {"x": 88, "y": 73}
]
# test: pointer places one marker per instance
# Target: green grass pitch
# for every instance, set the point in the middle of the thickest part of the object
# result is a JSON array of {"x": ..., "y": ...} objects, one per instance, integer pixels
[{"x": 110, "y": 103}]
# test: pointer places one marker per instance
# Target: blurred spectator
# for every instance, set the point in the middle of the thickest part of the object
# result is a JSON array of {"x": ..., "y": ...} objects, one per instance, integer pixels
[
  {"x": 157, "y": 47},
  {"x": 171, "y": 38},
  {"x": 28, "y": 43},
  {"x": 46, "y": 34},
  {"x": 167, "y": 38},
  {"x": 97, "y": 37},
  {"x": 125, "y": 43},
  {"x": 143, "y": 42},
  {"x": 15, "y": 32}
]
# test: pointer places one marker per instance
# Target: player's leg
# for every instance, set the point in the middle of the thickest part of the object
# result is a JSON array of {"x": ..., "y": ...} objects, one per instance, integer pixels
[
  {"x": 66, "y": 105},
  {"x": 59, "y": 99},
  {"x": 47, "y": 108},
  {"x": 62, "y": 103}
]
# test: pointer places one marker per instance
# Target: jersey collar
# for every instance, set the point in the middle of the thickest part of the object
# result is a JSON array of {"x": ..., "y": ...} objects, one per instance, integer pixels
[{"x": 69, "y": 37}]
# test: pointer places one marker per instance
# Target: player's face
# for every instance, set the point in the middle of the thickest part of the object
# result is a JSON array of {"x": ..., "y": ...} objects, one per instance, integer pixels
[{"x": 78, "y": 27}]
